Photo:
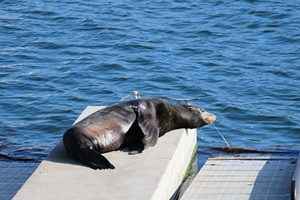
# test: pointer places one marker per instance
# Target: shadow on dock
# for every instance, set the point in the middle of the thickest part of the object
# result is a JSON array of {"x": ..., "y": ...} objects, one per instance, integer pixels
[{"x": 274, "y": 178}]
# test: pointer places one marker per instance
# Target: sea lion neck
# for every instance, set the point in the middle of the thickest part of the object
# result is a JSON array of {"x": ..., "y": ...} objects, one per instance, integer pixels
[
  {"x": 169, "y": 118},
  {"x": 177, "y": 118}
]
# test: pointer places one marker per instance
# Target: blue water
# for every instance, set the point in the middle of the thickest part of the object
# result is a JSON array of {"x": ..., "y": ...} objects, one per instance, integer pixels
[{"x": 237, "y": 59}]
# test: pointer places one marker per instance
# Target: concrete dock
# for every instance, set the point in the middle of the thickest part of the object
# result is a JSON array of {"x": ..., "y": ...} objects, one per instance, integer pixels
[
  {"x": 241, "y": 178},
  {"x": 154, "y": 174}
]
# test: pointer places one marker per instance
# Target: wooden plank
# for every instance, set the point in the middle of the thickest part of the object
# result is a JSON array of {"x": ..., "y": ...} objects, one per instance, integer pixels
[{"x": 270, "y": 157}]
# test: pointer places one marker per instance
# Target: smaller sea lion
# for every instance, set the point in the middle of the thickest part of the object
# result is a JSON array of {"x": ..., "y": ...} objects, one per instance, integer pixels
[{"x": 133, "y": 125}]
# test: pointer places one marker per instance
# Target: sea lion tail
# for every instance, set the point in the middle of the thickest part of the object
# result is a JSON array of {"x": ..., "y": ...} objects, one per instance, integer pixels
[
  {"x": 80, "y": 147},
  {"x": 94, "y": 159}
]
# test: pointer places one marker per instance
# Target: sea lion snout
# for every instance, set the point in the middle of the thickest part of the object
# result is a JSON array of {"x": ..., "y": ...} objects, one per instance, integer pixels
[{"x": 209, "y": 118}]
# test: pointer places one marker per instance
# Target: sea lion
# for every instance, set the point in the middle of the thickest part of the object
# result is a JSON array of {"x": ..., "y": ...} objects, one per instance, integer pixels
[{"x": 134, "y": 125}]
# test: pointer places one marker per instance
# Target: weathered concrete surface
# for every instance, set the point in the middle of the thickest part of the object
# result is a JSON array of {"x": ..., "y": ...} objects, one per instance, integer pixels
[
  {"x": 243, "y": 178},
  {"x": 154, "y": 174}
]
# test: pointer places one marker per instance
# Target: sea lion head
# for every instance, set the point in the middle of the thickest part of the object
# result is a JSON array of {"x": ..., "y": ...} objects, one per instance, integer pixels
[{"x": 196, "y": 117}]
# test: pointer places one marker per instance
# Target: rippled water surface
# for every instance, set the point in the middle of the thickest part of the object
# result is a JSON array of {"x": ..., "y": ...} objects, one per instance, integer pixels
[{"x": 238, "y": 59}]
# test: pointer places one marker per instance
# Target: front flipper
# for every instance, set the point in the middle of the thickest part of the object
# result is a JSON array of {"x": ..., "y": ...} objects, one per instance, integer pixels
[{"x": 148, "y": 123}]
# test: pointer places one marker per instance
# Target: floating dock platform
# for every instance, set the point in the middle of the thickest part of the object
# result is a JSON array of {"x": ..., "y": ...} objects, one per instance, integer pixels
[
  {"x": 157, "y": 173},
  {"x": 244, "y": 178},
  {"x": 154, "y": 174}
]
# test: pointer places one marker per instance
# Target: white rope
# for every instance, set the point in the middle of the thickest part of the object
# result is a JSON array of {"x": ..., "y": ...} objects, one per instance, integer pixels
[{"x": 222, "y": 136}]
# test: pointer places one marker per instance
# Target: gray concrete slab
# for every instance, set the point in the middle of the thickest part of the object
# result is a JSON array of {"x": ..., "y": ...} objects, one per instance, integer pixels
[
  {"x": 264, "y": 178},
  {"x": 154, "y": 174}
]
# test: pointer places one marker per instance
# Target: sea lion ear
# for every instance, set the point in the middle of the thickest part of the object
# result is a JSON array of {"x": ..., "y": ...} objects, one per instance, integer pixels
[{"x": 148, "y": 123}]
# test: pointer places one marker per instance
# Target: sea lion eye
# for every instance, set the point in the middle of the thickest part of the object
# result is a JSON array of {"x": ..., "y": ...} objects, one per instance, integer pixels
[{"x": 190, "y": 107}]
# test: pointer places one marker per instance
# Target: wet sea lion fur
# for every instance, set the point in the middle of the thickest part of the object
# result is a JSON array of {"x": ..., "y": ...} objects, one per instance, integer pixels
[{"x": 133, "y": 125}]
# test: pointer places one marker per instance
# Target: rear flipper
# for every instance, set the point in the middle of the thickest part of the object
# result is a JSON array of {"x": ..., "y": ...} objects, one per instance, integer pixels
[
  {"x": 80, "y": 147},
  {"x": 93, "y": 159}
]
